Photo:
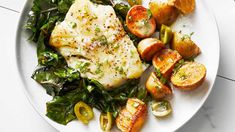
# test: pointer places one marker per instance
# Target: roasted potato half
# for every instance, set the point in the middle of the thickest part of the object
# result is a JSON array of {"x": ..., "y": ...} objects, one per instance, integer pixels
[
  {"x": 156, "y": 88},
  {"x": 190, "y": 76},
  {"x": 140, "y": 22},
  {"x": 132, "y": 117},
  {"x": 165, "y": 61},
  {"x": 184, "y": 45},
  {"x": 185, "y": 6},
  {"x": 148, "y": 47},
  {"x": 163, "y": 12}
]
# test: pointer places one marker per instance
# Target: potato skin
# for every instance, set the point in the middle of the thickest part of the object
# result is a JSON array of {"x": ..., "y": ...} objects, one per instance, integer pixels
[
  {"x": 185, "y": 6},
  {"x": 165, "y": 61},
  {"x": 139, "y": 23},
  {"x": 148, "y": 47},
  {"x": 189, "y": 77},
  {"x": 163, "y": 12},
  {"x": 185, "y": 46},
  {"x": 132, "y": 117},
  {"x": 155, "y": 87}
]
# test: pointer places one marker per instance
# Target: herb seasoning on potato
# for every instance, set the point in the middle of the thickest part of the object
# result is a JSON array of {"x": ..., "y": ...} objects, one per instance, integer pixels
[{"x": 140, "y": 22}]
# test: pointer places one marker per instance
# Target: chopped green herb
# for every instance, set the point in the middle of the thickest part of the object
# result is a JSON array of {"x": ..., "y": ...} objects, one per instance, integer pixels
[
  {"x": 116, "y": 46},
  {"x": 159, "y": 75},
  {"x": 82, "y": 66},
  {"x": 145, "y": 21},
  {"x": 106, "y": 61},
  {"x": 135, "y": 104},
  {"x": 186, "y": 36},
  {"x": 163, "y": 80},
  {"x": 149, "y": 13},
  {"x": 178, "y": 66},
  {"x": 191, "y": 58},
  {"x": 90, "y": 88},
  {"x": 158, "y": 86},
  {"x": 98, "y": 70},
  {"x": 170, "y": 60},
  {"x": 160, "y": 58},
  {"x": 103, "y": 40},
  {"x": 120, "y": 70},
  {"x": 97, "y": 29},
  {"x": 183, "y": 77},
  {"x": 132, "y": 53},
  {"x": 73, "y": 24},
  {"x": 158, "y": 72},
  {"x": 191, "y": 34}
]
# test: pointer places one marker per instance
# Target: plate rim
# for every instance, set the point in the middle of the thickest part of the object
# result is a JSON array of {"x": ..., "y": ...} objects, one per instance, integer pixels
[
  {"x": 211, "y": 13},
  {"x": 26, "y": 93}
]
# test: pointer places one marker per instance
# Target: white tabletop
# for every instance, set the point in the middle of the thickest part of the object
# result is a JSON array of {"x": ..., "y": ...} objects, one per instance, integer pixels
[{"x": 16, "y": 113}]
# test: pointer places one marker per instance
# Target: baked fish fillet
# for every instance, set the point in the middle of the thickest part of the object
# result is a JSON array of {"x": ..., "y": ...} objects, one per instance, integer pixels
[{"x": 92, "y": 40}]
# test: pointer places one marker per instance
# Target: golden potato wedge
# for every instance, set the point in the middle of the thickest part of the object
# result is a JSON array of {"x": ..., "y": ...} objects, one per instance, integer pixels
[
  {"x": 185, "y": 6},
  {"x": 165, "y": 61},
  {"x": 184, "y": 45},
  {"x": 140, "y": 22},
  {"x": 148, "y": 47},
  {"x": 156, "y": 88},
  {"x": 163, "y": 12},
  {"x": 132, "y": 117},
  {"x": 190, "y": 76}
]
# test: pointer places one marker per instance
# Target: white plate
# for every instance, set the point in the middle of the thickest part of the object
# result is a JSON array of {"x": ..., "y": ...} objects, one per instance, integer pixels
[{"x": 185, "y": 104}]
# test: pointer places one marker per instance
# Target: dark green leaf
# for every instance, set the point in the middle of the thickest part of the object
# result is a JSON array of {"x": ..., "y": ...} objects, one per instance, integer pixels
[
  {"x": 67, "y": 73},
  {"x": 56, "y": 81},
  {"x": 52, "y": 83},
  {"x": 50, "y": 24},
  {"x": 142, "y": 93},
  {"x": 60, "y": 109},
  {"x": 122, "y": 9},
  {"x": 64, "y": 5},
  {"x": 103, "y": 2},
  {"x": 41, "y": 47},
  {"x": 48, "y": 58}
]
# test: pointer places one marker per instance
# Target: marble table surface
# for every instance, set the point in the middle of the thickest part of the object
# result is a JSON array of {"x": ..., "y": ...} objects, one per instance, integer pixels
[{"x": 216, "y": 115}]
